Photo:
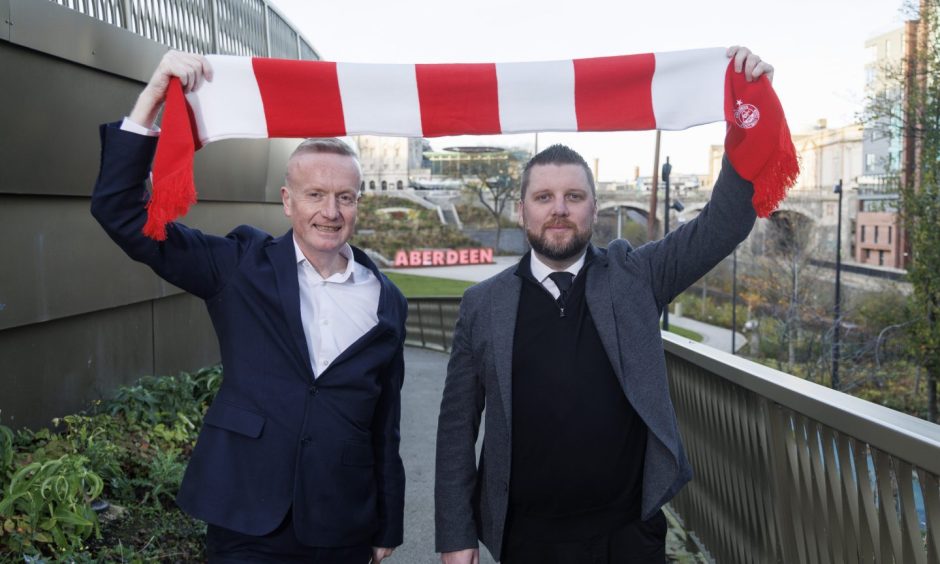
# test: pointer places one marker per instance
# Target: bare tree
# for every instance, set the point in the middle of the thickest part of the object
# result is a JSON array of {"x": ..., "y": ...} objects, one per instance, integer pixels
[
  {"x": 495, "y": 181},
  {"x": 909, "y": 108}
]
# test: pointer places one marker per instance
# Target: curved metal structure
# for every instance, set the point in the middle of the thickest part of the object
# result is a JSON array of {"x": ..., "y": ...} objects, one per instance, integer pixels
[
  {"x": 77, "y": 318},
  {"x": 225, "y": 27}
]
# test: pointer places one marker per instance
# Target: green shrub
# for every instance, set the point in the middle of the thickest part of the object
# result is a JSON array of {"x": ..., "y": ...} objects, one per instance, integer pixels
[
  {"x": 715, "y": 313},
  {"x": 46, "y": 506},
  {"x": 6, "y": 451},
  {"x": 131, "y": 450}
]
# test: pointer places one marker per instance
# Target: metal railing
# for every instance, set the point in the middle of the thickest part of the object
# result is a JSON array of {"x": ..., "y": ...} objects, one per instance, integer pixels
[
  {"x": 431, "y": 322},
  {"x": 786, "y": 471},
  {"x": 228, "y": 27},
  {"x": 790, "y": 471}
]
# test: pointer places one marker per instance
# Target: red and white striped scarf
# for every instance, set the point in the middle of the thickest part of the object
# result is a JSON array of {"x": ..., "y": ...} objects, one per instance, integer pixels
[{"x": 258, "y": 98}]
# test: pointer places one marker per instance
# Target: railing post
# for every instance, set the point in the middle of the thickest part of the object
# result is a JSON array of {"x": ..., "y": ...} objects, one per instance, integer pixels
[
  {"x": 126, "y": 16},
  {"x": 440, "y": 318},
  {"x": 213, "y": 26},
  {"x": 424, "y": 342},
  {"x": 267, "y": 30},
  {"x": 781, "y": 448}
]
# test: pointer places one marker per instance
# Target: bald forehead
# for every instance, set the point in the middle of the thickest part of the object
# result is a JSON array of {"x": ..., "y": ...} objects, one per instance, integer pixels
[{"x": 304, "y": 168}]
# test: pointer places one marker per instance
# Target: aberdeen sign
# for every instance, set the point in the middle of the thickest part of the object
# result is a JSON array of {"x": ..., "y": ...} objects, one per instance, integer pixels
[{"x": 443, "y": 257}]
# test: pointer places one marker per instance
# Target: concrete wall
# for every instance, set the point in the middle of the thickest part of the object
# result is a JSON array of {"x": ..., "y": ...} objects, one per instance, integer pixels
[{"x": 77, "y": 317}]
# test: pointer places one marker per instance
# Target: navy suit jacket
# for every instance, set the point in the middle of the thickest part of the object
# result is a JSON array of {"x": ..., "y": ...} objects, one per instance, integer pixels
[{"x": 274, "y": 437}]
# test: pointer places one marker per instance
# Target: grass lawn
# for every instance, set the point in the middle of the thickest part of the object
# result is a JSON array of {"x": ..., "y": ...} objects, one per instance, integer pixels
[
  {"x": 414, "y": 286},
  {"x": 687, "y": 333}
]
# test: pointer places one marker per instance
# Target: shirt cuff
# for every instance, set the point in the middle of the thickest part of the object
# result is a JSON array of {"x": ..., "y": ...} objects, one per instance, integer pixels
[{"x": 134, "y": 127}]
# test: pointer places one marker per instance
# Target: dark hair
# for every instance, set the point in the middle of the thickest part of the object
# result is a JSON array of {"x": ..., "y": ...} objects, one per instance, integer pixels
[{"x": 557, "y": 155}]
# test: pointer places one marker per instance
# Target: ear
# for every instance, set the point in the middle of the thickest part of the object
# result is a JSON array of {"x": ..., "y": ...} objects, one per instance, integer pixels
[
  {"x": 596, "y": 210},
  {"x": 519, "y": 210},
  {"x": 285, "y": 199}
]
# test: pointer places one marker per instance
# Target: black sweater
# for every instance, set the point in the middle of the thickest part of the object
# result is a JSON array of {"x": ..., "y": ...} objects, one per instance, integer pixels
[{"x": 578, "y": 444}]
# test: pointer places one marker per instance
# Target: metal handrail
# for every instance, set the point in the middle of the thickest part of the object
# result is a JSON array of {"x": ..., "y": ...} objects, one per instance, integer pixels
[
  {"x": 227, "y": 27},
  {"x": 431, "y": 322},
  {"x": 790, "y": 471},
  {"x": 786, "y": 470}
]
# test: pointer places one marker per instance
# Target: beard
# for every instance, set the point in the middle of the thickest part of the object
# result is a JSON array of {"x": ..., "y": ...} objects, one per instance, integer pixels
[{"x": 560, "y": 250}]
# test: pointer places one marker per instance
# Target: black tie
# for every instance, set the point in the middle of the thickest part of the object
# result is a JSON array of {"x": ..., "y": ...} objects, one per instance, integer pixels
[{"x": 563, "y": 281}]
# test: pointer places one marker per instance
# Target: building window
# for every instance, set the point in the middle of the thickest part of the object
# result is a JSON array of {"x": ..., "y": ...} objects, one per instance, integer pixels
[
  {"x": 881, "y": 258},
  {"x": 889, "y": 234},
  {"x": 867, "y": 254},
  {"x": 372, "y": 187},
  {"x": 863, "y": 234},
  {"x": 384, "y": 185},
  {"x": 400, "y": 185},
  {"x": 876, "y": 234},
  {"x": 362, "y": 186}
]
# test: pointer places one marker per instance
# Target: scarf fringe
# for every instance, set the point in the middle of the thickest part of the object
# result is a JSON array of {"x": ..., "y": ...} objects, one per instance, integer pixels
[
  {"x": 174, "y": 191},
  {"x": 777, "y": 177},
  {"x": 172, "y": 198}
]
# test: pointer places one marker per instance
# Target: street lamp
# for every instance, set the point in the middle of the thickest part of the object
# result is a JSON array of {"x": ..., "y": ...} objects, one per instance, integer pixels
[
  {"x": 837, "y": 327},
  {"x": 734, "y": 300},
  {"x": 667, "y": 205}
]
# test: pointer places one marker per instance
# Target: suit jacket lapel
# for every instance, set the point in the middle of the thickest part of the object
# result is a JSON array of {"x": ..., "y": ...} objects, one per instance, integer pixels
[
  {"x": 600, "y": 304},
  {"x": 281, "y": 253},
  {"x": 505, "y": 304}
]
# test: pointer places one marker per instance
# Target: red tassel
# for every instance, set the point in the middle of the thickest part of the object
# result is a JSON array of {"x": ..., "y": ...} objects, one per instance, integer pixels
[
  {"x": 171, "y": 199},
  {"x": 778, "y": 175},
  {"x": 173, "y": 188},
  {"x": 758, "y": 141}
]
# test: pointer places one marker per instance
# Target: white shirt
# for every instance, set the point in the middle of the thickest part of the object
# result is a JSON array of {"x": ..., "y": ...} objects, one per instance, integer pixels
[
  {"x": 134, "y": 127},
  {"x": 540, "y": 272},
  {"x": 336, "y": 311}
]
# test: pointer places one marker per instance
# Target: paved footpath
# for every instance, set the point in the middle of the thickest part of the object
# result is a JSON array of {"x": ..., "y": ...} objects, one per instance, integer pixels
[
  {"x": 421, "y": 402},
  {"x": 712, "y": 335}
]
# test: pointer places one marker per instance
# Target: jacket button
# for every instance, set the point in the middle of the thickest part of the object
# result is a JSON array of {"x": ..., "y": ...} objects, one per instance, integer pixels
[
  {"x": 305, "y": 440},
  {"x": 313, "y": 389}
]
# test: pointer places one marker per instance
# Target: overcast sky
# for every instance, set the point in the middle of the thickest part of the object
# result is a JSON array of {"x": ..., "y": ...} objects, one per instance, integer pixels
[{"x": 816, "y": 46}]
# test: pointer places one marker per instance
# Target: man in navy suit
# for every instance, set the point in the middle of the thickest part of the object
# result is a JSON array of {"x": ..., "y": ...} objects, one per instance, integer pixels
[{"x": 298, "y": 459}]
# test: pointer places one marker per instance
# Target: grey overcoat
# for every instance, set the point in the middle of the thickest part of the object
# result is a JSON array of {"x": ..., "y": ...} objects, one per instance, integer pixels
[{"x": 626, "y": 291}]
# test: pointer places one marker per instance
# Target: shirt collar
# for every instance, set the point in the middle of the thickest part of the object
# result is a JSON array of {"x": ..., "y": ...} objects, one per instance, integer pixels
[
  {"x": 340, "y": 277},
  {"x": 540, "y": 270}
]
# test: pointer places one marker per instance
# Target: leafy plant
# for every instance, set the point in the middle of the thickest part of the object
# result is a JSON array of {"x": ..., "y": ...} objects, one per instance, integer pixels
[
  {"x": 46, "y": 506},
  {"x": 6, "y": 450}
]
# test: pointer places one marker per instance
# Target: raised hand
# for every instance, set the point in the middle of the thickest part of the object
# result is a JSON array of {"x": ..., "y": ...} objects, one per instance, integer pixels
[
  {"x": 191, "y": 69},
  {"x": 750, "y": 64}
]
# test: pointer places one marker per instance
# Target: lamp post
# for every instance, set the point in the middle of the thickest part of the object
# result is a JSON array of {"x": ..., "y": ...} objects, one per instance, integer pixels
[
  {"x": 667, "y": 168},
  {"x": 734, "y": 300},
  {"x": 837, "y": 323},
  {"x": 619, "y": 222}
]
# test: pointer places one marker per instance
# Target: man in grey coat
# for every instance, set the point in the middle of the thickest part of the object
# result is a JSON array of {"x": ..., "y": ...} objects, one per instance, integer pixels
[{"x": 581, "y": 446}]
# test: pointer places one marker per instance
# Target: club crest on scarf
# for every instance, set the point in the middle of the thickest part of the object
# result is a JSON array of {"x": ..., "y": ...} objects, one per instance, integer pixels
[{"x": 746, "y": 115}]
